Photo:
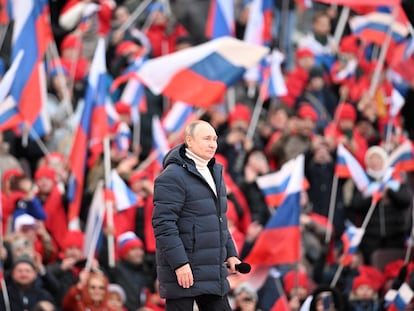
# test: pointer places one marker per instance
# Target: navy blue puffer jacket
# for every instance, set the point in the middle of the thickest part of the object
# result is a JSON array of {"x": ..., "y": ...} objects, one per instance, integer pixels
[{"x": 190, "y": 226}]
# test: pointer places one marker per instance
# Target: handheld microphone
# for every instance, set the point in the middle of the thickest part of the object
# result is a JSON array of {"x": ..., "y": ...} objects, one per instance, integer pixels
[{"x": 242, "y": 267}]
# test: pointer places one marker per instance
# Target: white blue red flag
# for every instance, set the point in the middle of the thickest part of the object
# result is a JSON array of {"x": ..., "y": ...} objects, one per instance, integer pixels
[
  {"x": 92, "y": 128},
  {"x": 273, "y": 81},
  {"x": 177, "y": 117},
  {"x": 124, "y": 196},
  {"x": 348, "y": 167},
  {"x": 220, "y": 19},
  {"x": 159, "y": 139},
  {"x": 200, "y": 75},
  {"x": 398, "y": 300},
  {"x": 282, "y": 231},
  {"x": 402, "y": 158},
  {"x": 31, "y": 34},
  {"x": 351, "y": 239},
  {"x": 122, "y": 138}
]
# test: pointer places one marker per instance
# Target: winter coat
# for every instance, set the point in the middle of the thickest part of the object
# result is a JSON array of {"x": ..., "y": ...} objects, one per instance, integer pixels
[{"x": 190, "y": 226}]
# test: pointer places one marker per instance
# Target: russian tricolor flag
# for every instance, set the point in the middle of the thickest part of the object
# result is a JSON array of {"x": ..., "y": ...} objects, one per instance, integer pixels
[
  {"x": 159, "y": 139},
  {"x": 274, "y": 185},
  {"x": 177, "y": 117},
  {"x": 122, "y": 139},
  {"x": 282, "y": 231},
  {"x": 200, "y": 75},
  {"x": 373, "y": 27},
  {"x": 259, "y": 25},
  {"x": 399, "y": 300},
  {"x": 220, "y": 19},
  {"x": 32, "y": 34},
  {"x": 351, "y": 239},
  {"x": 93, "y": 127},
  {"x": 402, "y": 158},
  {"x": 124, "y": 196},
  {"x": 273, "y": 81},
  {"x": 347, "y": 166}
]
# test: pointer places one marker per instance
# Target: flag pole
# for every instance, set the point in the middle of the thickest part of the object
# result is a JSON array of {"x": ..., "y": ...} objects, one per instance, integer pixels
[
  {"x": 363, "y": 226},
  {"x": 340, "y": 27},
  {"x": 3, "y": 281},
  {"x": 109, "y": 203},
  {"x": 381, "y": 58},
  {"x": 331, "y": 212},
  {"x": 251, "y": 129},
  {"x": 135, "y": 14}
]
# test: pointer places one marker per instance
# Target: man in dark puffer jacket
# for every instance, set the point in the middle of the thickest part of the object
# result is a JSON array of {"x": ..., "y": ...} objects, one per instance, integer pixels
[{"x": 194, "y": 245}]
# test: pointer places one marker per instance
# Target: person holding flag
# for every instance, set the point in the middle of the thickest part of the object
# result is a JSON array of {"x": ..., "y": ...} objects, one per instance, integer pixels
[
  {"x": 387, "y": 226},
  {"x": 194, "y": 246}
]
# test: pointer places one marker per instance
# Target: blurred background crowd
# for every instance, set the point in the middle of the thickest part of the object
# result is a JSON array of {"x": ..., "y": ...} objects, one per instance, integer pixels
[{"x": 340, "y": 91}]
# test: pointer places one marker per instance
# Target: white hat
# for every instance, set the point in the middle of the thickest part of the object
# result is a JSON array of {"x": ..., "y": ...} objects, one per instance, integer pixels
[
  {"x": 23, "y": 220},
  {"x": 116, "y": 288}
]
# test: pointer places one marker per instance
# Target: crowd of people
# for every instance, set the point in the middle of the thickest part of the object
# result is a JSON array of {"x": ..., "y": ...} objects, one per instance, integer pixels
[{"x": 330, "y": 101}]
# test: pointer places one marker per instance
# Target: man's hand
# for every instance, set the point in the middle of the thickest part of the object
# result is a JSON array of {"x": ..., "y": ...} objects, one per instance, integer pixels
[
  {"x": 185, "y": 276},
  {"x": 232, "y": 262}
]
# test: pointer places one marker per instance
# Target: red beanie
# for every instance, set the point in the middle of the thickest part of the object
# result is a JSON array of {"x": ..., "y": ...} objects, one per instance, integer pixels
[
  {"x": 124, "y": 47},
  {"x": 45, "y": 171},
  {"x": 12, "y": 172},
  {"x": 122, "y": 108},
  {"x": 392, "y": 269},
  {"x": 345, "y": 111},
  {"x": 139, "y": 175},
  {"x": 71, "y": 41},
  {"x": 290, "y": 280},
  {"x": 306, "y": 111},
  {"x": 363, "y": 280},
  {"x": 73, "y": 238},
  {"x": 303, "y": 52},
  {"x": 349, "y": 44},
  {"x": 375, "y": 275},
  {"x": 240, "y": 112},
  {"x": 127, "y": 241}
]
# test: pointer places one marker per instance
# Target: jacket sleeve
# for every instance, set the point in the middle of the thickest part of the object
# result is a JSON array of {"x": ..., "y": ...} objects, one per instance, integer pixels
[{"x": 169, "y": 199}]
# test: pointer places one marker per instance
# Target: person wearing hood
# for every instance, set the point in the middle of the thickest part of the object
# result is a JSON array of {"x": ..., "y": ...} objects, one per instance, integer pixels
[
  {"x": 194, "y": 248},
  {"x": 388, "y": 226}
]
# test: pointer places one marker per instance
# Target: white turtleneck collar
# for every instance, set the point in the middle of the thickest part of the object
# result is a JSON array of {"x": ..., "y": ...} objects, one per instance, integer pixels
[{"x": 201, "y": 166}]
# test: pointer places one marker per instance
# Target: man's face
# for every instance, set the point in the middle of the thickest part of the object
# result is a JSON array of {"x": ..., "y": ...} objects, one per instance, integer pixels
[
  {"x": 24, "y": 274},
  {"x": 203, "y": 142}
]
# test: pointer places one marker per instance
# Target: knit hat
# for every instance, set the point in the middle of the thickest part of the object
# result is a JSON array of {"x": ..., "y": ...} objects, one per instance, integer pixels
[
  {"x": 345, "y": 111},
  {"x": 240, "y": 112},
  {"x": 12, "y": 172},
  {"x": 127, "y": 241},
  {"x": 245, "y": 287},
  {"x": 24, "y": 220},
  {"x": 122, "y": 108},
  {"x": 73, "y": 238},
  {"x": 24, "y": 259},
  {"x": 306, "y": 111},
  {"x": 392, "y": 269},
  {"x": 349, "y": 44},
  {"x": 304, "y": 52},
  {"x": 363, "y": 280},
  {"x": 139, "y": 175},
  {"x": 375, "y": 275},
  {"x": 45, "y": 171},
  {"x": 378, "y": 151},
  {"x": 290, "y": 280},
  {"x": 116, "y": 288}
]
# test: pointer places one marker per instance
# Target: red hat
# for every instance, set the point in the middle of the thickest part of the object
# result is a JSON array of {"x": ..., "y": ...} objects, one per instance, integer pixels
[
  {"x": 138, "y": 175},
  {"x": 240, "y": 112},
  {"x": 304, "y": 52},
  {"x": 73, "y": 238},
  {"x": 345, "y": 111},
  {"x": 54, "y": 156},
  {"x": 127, "y": 241},
  {"x": 71, "y": 41},
  {"x": 12, "y": 172},
  {"x": 290, "y": 280},
  {"x": 363, "y": 280},
  {"x": 349, "y": 44},
  {"x": 125, "y": 46},
  {"x": 374, "y": 274},
  {"x": 45, "y": 171},
  {"x": 306, "y": 111},
  {"x": 122, "y": 108},
  {"x": 392, "y": 269}
]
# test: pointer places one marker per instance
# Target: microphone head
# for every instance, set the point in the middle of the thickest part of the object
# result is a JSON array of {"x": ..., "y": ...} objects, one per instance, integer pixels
[{"x": 243, "y": 267}]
